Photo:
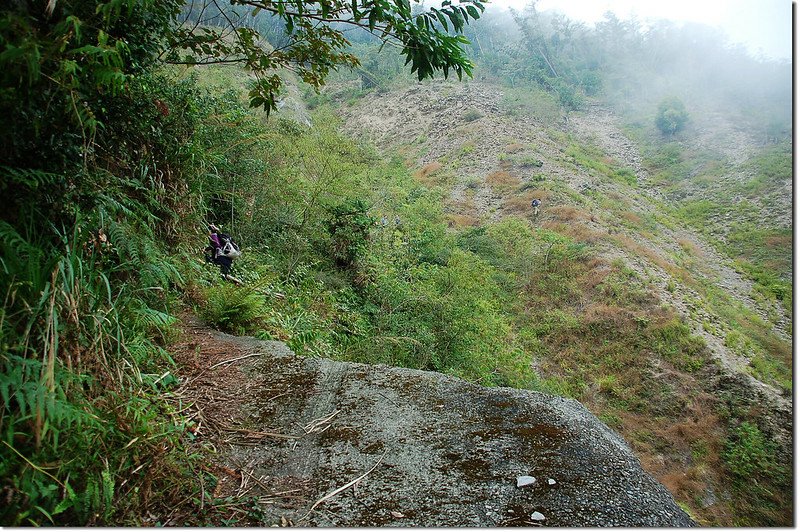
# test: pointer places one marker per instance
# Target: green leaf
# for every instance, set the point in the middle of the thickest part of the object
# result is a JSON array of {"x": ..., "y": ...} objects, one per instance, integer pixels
[
  {"x": 64, "y": 505},
  {"x": 455, "y": 19},
  {"x": 442, "y": 19},
  {"x": 45, "y": 513}
]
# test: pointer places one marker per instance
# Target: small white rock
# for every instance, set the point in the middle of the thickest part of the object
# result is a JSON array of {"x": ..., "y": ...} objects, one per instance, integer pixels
[
  {"x": 551, "y": 481},
  {"x": 525, "y": 480},
  {"x": 536, "y": 516}
]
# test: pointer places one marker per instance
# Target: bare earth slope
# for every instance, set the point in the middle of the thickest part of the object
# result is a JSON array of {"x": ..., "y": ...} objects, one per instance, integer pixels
[
  {"x": 435, "y": 124},
  {"x": 600, "y": 127},
  {"x": 430, "y": 450}
]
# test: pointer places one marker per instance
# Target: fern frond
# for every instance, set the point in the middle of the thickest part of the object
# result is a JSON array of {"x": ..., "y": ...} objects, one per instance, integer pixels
[
  {"x": 13, "y": 241},
  {"x": 26, "y": 177},
  {"x": 153, "y": 318}
]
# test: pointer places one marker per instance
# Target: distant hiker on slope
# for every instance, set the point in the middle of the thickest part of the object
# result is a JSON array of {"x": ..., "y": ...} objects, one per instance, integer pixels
[
  {"x": 221, "y": 251},
  {"x": 535, "y": 205}
]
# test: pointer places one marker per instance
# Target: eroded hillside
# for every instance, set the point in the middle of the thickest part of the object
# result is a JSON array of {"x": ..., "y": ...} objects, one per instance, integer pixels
[{"x": 490, "y": 155}]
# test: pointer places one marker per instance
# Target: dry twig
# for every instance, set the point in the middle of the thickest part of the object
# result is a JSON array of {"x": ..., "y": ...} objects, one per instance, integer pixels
[
  {"x": 315, "y": 425},
  {"x": 339, "y": 490},
  {"x": 235, "y": 359}
]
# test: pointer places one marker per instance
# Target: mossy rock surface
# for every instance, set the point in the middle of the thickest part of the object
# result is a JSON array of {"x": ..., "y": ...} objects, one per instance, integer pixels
[{"x": 445, "y": 452}]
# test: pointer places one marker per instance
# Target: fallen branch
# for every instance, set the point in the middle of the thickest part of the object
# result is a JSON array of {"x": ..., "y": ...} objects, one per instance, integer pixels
[
  {"x": 339, "y": 490},
  {"x": 235, "y": 359}
]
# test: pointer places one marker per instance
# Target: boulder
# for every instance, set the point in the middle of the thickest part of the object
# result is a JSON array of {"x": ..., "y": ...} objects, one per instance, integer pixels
[{"x": 435, "y": 449}]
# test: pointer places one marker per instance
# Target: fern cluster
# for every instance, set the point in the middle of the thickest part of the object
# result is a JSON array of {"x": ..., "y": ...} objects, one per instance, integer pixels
[
  {"x": 77, "y": 338},
  {"x": 95, "y": 187}
]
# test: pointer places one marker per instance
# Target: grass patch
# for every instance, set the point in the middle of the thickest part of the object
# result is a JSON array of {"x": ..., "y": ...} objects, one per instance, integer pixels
[
  {"x": 471, "y": 115},
  {"x": 502, "y": 181},
  {"x": 772, "y": 169},
  {"x": 592, "y": 158},
  {"x": 531, "y": 102}
]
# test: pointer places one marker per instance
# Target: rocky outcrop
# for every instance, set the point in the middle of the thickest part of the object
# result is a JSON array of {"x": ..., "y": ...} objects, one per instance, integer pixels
[{"x": 429, "y": 450}]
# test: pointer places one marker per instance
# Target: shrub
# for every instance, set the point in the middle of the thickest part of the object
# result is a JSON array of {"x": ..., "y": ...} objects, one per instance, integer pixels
[
  {"x": 528, "y": 161},
  {"x": 748, "y": 453},
  {"x": 232, "y": 308},
  {"x": 472, "y": 115},
  {"x": 473, "y": 183},
  {"x": 672, "y": 116},
  {"x": 591, "y": 82},
  {"x": 625, "y": 175},
  {"x": 349, "y": 226}
]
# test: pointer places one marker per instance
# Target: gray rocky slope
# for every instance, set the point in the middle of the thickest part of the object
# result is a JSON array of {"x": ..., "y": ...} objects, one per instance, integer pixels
[{"x": 432, "y": 450}]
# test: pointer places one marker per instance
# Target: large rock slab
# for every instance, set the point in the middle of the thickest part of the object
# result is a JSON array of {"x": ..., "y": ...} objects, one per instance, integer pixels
[{"x": 437, "y": 451}]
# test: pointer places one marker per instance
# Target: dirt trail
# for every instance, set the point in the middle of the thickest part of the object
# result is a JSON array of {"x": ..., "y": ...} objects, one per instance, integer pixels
[{"x": 424, "y": 449}]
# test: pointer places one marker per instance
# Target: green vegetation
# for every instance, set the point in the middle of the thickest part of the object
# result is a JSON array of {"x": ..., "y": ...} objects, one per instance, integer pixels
[
  {"x": 110, "y": 165},
  {"x": 665, "y": 164},
  {"x": 750, "y": 457},
  {"x": 314, "y": 49},
  {"x": 747, "y": 453},
  {"x": 370, "y": 284},
  {"x": 771, "y": 168},
  {"x": 85, "y": 268},
  {"x": 530, "y": 101},
  {"x": 472, "y": 115},
  {"x": 592, "y": 158},
  {"x": 672, "y": 116},
  {"x": 733, "y": 208},
  {"x": 113, "y": 162}
]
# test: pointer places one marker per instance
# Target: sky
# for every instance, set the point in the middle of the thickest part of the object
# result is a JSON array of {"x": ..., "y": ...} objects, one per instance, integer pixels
[{"x": 763, "y": 26}]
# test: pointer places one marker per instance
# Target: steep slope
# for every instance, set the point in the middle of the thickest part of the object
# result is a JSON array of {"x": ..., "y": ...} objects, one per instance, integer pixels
[
  {"x": 425, "y": 449},
  {"x": 599, "y": 126},
  {"x": 491, "y": 158},
  {"x": 463, "y": 129}
]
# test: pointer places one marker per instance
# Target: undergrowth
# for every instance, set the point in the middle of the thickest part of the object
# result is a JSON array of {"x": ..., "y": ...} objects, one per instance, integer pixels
[
  {"x": 347, "y": 255},
  {"x": 103, "y": 171}
]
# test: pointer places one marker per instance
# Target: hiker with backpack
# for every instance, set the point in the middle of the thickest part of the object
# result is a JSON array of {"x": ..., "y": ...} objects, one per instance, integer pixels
[
  {"x": 221, "y": 251},
  {"x": 535, "y": 205}
]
